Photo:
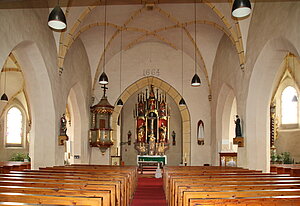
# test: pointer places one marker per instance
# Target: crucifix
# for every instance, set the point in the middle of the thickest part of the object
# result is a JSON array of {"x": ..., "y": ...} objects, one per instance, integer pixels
[{"x": 104, "y": 90}]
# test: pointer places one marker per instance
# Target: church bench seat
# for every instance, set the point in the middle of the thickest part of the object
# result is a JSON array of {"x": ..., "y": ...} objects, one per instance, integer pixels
[
  {"x": 253, "y": 194},
  {"x": 125, "y": 175},
  {"x": 125, "y": 187},
  {"x": 131, "y": 171},
  {"x": 105, "y": 195},
  {"x": 178, "y": 196},
  {"x": 221, "y": 182},
  {"x": 52, "y": 200},
  {"x": 169, "y": 177},
  {"x": 127, "y": 178},
  {"x": 292, "y": 169},
  {"x": 225, "y": 183},
  {"x": 274, "y": 201},
  {"x": 70, "y": 183}
]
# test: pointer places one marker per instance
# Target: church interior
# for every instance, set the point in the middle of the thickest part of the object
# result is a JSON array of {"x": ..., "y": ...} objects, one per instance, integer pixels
[{"x": 123, "y": 82}]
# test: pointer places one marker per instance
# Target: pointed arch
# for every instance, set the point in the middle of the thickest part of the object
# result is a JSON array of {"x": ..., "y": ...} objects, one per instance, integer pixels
[
  {"x": 43, "y": 145},
  {"x": 262, "y": 82},
  {"x": 173, "y": 93}
]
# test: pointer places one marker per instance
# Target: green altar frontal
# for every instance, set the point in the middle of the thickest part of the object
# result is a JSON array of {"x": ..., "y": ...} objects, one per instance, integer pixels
[{"x": 148, "y": 158}]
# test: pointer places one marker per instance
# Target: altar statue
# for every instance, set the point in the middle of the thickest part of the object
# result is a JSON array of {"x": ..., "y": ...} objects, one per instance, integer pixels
[
  {"x": 162, "y": 133},
  {"x": 141, "y": 133},
  {"x": 161, "y": 148},
  {"x": 152, "y": 145}
]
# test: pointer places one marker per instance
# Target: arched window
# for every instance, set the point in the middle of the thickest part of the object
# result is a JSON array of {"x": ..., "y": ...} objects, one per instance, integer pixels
[
  {"x": 14, "y": 127},
  {"x": 289, "y": 108}
]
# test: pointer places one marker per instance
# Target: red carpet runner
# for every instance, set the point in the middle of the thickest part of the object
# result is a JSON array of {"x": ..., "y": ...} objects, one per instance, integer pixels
[{"x": 149, "y": 192}]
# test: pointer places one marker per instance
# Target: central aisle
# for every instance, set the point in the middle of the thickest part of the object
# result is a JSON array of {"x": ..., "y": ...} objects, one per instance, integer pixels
[{"x": 150, "y": 192}]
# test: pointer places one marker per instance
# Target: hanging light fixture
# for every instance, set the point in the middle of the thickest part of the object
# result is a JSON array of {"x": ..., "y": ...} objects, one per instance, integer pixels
[
  {"x": 120, "y": 102},
  {"x": 196, "y": 82},
  {"x": 241, "y": 8},
  {"x": 4, "y": 97},
  {"x": 295, "y": 98},
  {"x": 57, "y": 18},
  {"x": 103, "y": 77},
  {"x": 182, "y": 102}
]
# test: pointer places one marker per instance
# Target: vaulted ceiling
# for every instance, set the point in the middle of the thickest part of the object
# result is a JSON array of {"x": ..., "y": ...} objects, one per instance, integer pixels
[{"x": 150, "y": 22}]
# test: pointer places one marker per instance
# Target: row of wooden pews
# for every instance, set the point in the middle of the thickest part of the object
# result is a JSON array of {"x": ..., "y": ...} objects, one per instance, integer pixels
[
  {"x": 291, "y": 169},
  {"x": 70, "y": 185},
  {"x": 214, "y": 185},
  {"x": 5, "y": 167}
]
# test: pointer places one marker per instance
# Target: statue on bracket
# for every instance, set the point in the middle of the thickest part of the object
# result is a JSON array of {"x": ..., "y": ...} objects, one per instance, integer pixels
[
  {"x": 62, "y": 138},
  {"x": 239, "y": 139}
]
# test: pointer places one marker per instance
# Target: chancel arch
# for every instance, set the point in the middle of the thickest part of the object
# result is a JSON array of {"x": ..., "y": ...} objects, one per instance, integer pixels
[
  {"x": 170, "y": 91},
  {"x": 262, "y": 83}
]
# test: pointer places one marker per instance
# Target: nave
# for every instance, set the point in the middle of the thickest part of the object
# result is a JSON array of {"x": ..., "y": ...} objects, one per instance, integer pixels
[{"x": 95, "y": 185}]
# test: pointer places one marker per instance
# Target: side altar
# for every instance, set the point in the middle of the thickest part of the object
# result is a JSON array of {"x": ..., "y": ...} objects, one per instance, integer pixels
[{"x": 152, "y": 115}]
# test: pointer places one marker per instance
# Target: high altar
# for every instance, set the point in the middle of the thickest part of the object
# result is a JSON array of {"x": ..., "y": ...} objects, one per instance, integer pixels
[{"x": 152, "y": 123}]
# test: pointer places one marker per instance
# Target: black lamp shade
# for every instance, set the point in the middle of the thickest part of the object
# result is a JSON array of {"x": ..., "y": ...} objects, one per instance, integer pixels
[
  {"x": 241, "y": 8},
  {"x": 196, "y": 81},
  {"x": 4, "y": 97},
  {"x": 57, "y": 19},
  {"x": 295, "y": 98},
  {"x": 103, "y": 79},
  {"x": 120, "y": 102},
  {"x": 182, "y": 102}
]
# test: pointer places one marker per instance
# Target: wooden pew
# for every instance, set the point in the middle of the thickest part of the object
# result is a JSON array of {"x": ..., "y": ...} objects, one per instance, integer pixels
[
  {"x": 5, "y": 167},
  {"x": 110, "y": 185},
  {"x": 194, "y": 186},
  {"x": 45, "y": 200},
  {"x": 216, "y": 182},
  {"x": 124, "y": 177},
  {"x": 238, "y": 194},
  {"x": 273, "y": 201}
]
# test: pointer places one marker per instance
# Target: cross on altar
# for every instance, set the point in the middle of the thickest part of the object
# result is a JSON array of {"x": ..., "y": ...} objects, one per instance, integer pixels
[{"x": 104, "y": 90}]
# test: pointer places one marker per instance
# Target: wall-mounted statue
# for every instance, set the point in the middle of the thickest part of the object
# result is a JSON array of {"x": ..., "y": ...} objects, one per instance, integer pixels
[
  {"x": 238, "y": 131},
  {"x": 62, "y": 138},
  {"x": 239, "y": 139}
]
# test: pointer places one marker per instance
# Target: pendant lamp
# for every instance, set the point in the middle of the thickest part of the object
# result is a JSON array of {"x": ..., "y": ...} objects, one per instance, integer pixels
[
  {"x": 120, "y": 102},
  {"x": 57, "y": 19},
  {"x": 182, "y": 102},
  {"x": 196, "y": 82},
  {"x": 4, "y": 97},
  {"x": 103, "y": 77},
  {"x": 241, "y": 8}
]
